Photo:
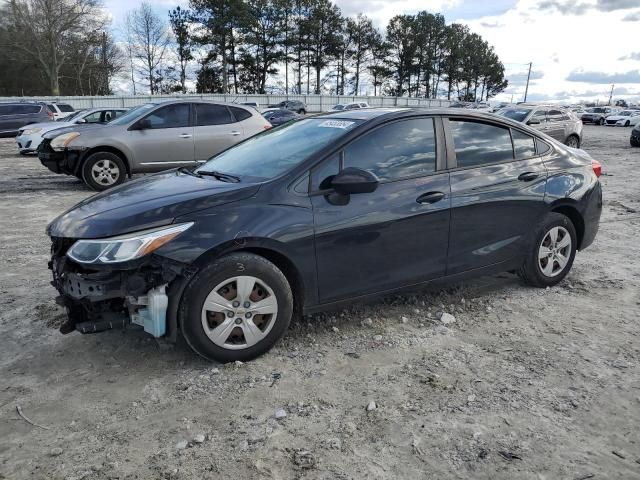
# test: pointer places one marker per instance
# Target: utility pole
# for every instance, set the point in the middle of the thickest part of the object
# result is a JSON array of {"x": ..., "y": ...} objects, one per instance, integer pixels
[
  {"x": 526, "y": 91},
  {"x": 611, "y": 94}
]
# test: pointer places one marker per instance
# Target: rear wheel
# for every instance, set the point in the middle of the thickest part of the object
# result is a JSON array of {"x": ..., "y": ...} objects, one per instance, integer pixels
[
  {"x": 236, "y": 308},
  {"x": 627, "y": 123},
  {"x": 302, "y": 111},
  {"x": 572, "y": 141},
  {"x": 103, "y": 170},
  {"x": 552, "y": 252},
  {"x": 634, "y": 142}
]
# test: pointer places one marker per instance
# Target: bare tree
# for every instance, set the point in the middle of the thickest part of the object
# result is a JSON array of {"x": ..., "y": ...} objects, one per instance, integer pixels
[
  {"x": 149, "y": 40},
  {"x": 42, "y": 29}
]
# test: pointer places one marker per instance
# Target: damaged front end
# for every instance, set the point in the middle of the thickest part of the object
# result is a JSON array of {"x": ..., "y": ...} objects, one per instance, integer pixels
[{"x": 100, "y": 296}]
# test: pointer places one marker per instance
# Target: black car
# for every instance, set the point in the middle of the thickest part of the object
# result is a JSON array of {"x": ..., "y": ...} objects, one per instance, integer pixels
[
  {"x": 319, "y": 213},
  {"x": 279, "y": 116},
  {"x": 635, "y": 136},
  {"x": 294, "y": 105}
]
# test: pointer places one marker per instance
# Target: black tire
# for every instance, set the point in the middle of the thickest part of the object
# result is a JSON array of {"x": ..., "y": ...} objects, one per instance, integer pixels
[
  {"x": 227, "y": 267},
  {"x": 601, "y": 122},
  {"x": 634, "y": 142},
  {"x": 109, "y": 159},
  {"x": 568, "y": 141},
  {"x": 24, "y": 153},
  {"x": 627, "y": 123},
  {"x": 302, "y": 111},
  {"x": 531, "y": 272}
]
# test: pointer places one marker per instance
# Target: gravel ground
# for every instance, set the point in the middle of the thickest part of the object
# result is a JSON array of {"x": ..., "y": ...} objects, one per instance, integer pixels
[{"x": 526, "y": 383}]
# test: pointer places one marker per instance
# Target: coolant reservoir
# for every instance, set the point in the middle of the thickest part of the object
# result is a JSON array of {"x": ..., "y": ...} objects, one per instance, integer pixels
[{"x": 153, "y": 317}]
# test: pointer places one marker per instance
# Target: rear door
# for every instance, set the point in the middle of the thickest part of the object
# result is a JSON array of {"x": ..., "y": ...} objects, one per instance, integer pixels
[
  {"x": 215, "y": 130},
  {"x": 556, "y": 125},
  {"x": 497, "y": 193},
  {"x": 167, "y": 143},
  {"x": 395, "y": 236}
]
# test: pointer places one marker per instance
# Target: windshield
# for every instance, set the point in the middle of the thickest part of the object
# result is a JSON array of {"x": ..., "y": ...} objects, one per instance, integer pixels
[
  {"x": 73, "y": 116},
  {"x": 517, "y": 114},
  {"x": 596, "y": 110},
  {"x": 626, "y": 113},
  {"x": 339, "y": 107},
  {"x": 133, "y": 114},
  {"x": 275, "y": 151}
]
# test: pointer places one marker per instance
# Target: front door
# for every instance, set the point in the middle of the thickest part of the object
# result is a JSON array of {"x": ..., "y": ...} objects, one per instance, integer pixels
[
  {"x": 167, "y": 142},
  {"x": 497, "y": 193},
  {"x": 396, "y": 236}
]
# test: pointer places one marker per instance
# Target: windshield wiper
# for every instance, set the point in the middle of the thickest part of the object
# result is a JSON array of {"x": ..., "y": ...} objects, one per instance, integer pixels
[
  {"x": 225, "y": 177},
  {"x": 189, "y": 172}
]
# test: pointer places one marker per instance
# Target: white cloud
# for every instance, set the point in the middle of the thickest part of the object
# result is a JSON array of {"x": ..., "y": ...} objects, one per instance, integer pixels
[{"x": 588, "y": 39}]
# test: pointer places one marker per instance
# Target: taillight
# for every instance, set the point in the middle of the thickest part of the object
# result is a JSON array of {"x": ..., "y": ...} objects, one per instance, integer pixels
[
  {"x": 597, "y": 167},
  {"x": 268, "y": 126},
  {"x": 50, "y": 113}
]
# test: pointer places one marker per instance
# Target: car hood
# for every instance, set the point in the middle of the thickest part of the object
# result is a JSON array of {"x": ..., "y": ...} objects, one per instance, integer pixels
[
  {"x": 46, "y": 125},
  {"x": 148, "y": 202},
  {"x": 72, "y": 127},
  {"x": 618, "y": 117}
]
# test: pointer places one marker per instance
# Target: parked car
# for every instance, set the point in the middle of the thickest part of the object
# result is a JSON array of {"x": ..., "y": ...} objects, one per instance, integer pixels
[
  {"x": 15, "y": 115},
  {"x": 293, "y": 105},
  {"x": 597, "y": 115},
  {"x": 279, "y": 116},
  {"x": 625, "y": 118},
  {"x": 350, "y": 106},
  {"x": 60, "y": 110},
  {"x": 635, "y": 136},
  {"x": 29, "y": 137},
  {"x": 150, "y": 138},
  {"x": 320, "y": 213},
  {"x": 251, "y": 104},
  {"x": 556, "y": 122}
]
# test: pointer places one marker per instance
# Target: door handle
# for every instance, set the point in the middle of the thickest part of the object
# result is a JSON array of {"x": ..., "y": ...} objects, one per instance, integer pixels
[
  {"x": 430, "y": 197},
  {"x": 527, "y": 176},
  {"x": 235, "y": 133},
  {"x": 185, "y": 135}
]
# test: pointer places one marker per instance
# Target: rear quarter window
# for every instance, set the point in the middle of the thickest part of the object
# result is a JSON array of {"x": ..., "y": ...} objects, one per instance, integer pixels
[
  {"x": 524, "y": 145},
  {"x": 26, "y": 109},
  {"x": 240, "y": 113},
  {"x": 63, "y": 107}
]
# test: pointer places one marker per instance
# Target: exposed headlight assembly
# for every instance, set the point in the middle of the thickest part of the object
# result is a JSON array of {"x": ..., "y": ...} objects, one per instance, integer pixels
[
  {"x": 61, "y": 141},
  {"x": 125, "y": 247}
]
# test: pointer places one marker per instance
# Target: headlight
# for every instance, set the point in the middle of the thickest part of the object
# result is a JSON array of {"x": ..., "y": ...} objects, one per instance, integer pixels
[
  {"x": 125, "y": 247},
  {"x": 61, "y": 141},
  {"x": 30, "y": 131}
]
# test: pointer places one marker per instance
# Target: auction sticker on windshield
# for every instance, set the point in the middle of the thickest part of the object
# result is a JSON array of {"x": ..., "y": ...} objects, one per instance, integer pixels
[{"x": 336, "y": 124}]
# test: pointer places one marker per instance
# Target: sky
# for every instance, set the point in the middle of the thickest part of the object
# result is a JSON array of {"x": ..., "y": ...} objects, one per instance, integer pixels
[{"x": 578, "y": 48}]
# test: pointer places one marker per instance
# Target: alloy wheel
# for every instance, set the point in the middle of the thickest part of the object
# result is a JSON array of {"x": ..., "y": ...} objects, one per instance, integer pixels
[
  {"x": 105, "y": 172},
  {"x": 572, "y": 142},
  {"x": 239, "y": 312},
  {"x": 554, "y": 251}
]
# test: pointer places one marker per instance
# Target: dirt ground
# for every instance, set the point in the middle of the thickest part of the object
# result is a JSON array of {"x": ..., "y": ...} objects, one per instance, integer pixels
[{"x": 527, "y": 383}]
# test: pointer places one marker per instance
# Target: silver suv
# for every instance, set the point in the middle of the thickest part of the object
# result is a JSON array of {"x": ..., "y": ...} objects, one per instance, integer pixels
[
  {"x": 149, "y": 138},
  {"x": 558, "y": 123},
  {"x": 14, "y": 116}
]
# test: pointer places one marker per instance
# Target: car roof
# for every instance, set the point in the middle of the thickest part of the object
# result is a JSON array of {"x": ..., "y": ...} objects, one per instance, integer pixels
[{"x": 197, "y": 100}]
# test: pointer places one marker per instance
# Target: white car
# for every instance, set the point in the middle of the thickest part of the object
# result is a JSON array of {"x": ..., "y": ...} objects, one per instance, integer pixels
[
  {"x": 350, "y": 106},
  {"x": 625, "y": 118},
  {"x": 60, "y": 110},
  {"x": 30, "y": 136}
]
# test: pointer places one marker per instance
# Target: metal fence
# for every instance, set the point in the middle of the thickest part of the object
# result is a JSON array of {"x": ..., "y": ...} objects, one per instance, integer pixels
[{"x": 315, "y": 103}]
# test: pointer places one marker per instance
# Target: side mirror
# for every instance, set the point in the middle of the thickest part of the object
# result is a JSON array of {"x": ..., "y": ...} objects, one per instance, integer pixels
[
  {"x": 82, "y": 120},
  {"x": 354, "y": 180},
  {"x": 533, "y": 121},
  {"x": 143, "y": 124}
]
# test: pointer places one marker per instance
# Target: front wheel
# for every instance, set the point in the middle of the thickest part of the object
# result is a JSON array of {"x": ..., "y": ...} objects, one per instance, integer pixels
[
  {"x": 103, "y": 170},
  {"x": 552, "y": 253},
  {"x": 302, "y": 111},
  {"x": 627, "y": 123},
  {"x": 236, "y": 308},
  {"x": 601, "y": 122},
  {"x": 572, "y": 141}
]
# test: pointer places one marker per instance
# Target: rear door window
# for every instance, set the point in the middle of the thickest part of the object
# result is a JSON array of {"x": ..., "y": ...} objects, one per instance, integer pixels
[
  {"x": 554, "y": 116},
  {"x": 523, "y": 145},
  {"x": 211, "y": 114},
  {"x": 402, "y": 149},
  {"x": 478, "y": 143}
]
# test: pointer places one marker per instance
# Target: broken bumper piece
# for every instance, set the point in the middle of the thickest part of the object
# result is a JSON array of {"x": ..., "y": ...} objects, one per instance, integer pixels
[{"x": 104, "y": 298}]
